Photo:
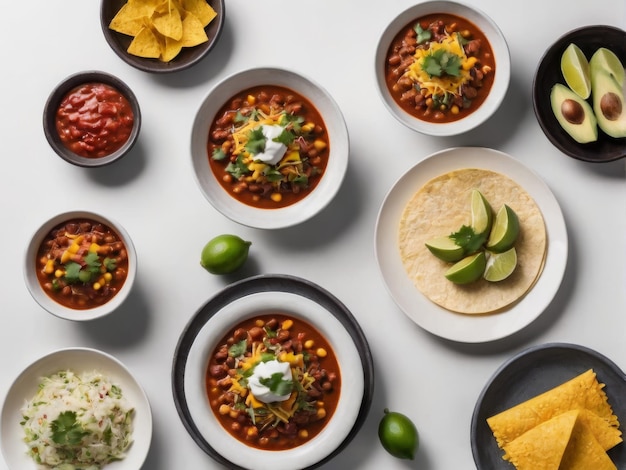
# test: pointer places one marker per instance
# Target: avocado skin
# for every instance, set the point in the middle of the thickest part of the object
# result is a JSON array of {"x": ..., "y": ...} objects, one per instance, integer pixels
[
  {"x": 602, "y": 83},
  {"x": 587, "y": 130}
]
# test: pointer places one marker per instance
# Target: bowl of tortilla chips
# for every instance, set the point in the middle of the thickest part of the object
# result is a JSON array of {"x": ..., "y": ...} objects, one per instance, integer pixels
[{"x": 162, "y": 36}]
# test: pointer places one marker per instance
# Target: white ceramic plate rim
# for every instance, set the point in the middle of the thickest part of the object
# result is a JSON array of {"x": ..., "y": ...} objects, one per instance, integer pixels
[
  {"x": 351, "y": 371},
  {"x": 79, "y": 360},
  {"x": 32, "y": 282},
  {"x": 500, "y": 50},
  {"x": 435, "y": 319},
  {"x": 331, "y": 180}
]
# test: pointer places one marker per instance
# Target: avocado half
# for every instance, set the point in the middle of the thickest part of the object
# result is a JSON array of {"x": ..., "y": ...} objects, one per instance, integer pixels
[
  {"x": 608, "y": 103},
  {"x": 574, "y": 114}
]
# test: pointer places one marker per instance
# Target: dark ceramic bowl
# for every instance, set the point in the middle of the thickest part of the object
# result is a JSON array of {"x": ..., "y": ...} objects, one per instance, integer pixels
[
  {"x": 54, "y": 100},
  {"x": 589, "y": 39},
  {"x": 187, "y": 57}
]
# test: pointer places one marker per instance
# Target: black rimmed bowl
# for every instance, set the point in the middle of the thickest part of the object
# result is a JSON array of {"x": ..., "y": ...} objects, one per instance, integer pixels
[
  {"x": 589, "y": 39},
  {"x": 299, "y": 299},
  {"x": 55, "y": 100},
  {"x": 188, "y": 56},
  {"x": 534, "y": 371}
]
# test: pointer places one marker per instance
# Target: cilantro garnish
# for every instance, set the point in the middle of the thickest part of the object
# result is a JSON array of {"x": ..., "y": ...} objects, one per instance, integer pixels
[
  {"x": 238, "y": 168},
  {"x": 291, "y": 121},
  {"x": 286, "y": 138},
  {"x": 277, "y": 384},
  {"x": 110, "y": 264},
  {"x": 72, "y": 270},
  {"x": 238, "y": 349},
  {"x": 272, "y": 174},
  {"x": 66, "y": 430},
  {"x": 468, "y": 239},
  {"x": 218, "y": 154},
  {"x": 256, "y": 141},
  {"x": 423, "y": 35},
  {"x": 441, "y": 62}
]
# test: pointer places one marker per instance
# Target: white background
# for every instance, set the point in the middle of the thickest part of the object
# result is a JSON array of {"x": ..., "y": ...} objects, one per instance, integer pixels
[{"x": 153, "y": 194}]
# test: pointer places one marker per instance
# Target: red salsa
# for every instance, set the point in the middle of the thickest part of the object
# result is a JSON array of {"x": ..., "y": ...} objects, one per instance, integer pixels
[
  {"x": 268, "y": 146},
  {"x": 440, "y": 68},
  {"x": 309, "y": 389},
  {"x": 82, "y": 264},
  {"x": 94, "y": 120}
]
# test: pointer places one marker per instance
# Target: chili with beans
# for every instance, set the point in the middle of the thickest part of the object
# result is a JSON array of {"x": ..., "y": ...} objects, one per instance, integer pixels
[
  {"x": 440, "y": 68},
  {"x": 311, "y": 394},
  {"x": 239, "y": 147},
  {"x": 82, "y": 264},
  {"x": 94, "y": 120}
]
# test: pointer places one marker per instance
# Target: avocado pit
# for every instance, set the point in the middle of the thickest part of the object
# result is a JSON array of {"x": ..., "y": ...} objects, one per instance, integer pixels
[
  {"x": 611, "y": 106},
  {"x": 572, "y": 111}
]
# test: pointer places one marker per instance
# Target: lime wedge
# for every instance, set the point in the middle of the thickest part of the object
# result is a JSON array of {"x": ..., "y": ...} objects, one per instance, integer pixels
[
  {"x": 469, "y": 269},
  {"x": 505, "y": 230},
  {"x": 482, "y": 214},
  {"x": 500, "y": 265},
  {"x": 606, "y": 59},
  {"x": 575, "y": 70},
  {"x": 445, "y": 249}
]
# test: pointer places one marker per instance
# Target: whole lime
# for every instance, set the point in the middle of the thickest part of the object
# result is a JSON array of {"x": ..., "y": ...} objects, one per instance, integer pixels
[
  {"x": 224, "y": 254},
  {"x": 398, "y": 435}
]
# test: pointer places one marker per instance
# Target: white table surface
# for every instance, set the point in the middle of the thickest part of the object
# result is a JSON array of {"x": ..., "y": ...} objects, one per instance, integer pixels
[{"x": 153, "y": 194}]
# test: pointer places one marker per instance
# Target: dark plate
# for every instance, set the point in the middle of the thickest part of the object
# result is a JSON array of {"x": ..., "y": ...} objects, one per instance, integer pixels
[
  {"x": 262, "y": 284},
  {"x": 533, "y": 371},
  {"x": 187, "y": 57},
  {"x": 589, "y": 39}
]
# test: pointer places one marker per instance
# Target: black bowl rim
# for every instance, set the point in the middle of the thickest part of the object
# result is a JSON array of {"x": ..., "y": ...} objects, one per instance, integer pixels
[
  {"x": 187, "y": 58},
  {"x": 606, "y": 149},
  {"x": 54, "y": 100}
]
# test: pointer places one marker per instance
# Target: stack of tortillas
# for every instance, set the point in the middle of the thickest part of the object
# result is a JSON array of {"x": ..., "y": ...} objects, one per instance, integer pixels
[{"x": 569, "y": 427}]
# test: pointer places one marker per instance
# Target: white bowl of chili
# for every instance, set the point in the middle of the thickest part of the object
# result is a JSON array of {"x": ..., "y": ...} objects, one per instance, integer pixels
[
  {"x": 442, "y": 67},
  {"x": 91, "y": 119},
  {"x": 80, "y": 265},
  {"x": 269, "y": 148}
]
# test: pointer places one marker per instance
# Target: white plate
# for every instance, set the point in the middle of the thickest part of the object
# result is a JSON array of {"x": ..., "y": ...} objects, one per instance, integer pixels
[
  {"x": 248, "y": 298},
  {"x": 442, "y": 322},
  {"x": 78, "y": 360}
]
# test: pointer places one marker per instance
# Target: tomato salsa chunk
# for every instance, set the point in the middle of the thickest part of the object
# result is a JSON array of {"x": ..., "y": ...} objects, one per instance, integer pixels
[
  {"x": 273, "y": 382},
  {"x": 268, "y": 146},
  {"x": 82, "y": 264},
  {"x": 94, "y": 120},
  {"x": 440, "y": 68}
]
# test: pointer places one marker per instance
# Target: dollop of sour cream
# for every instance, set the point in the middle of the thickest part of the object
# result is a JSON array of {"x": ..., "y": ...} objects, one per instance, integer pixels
[
  {"x": 274, "y": 151},
  {"x": 265, "y": 370}
]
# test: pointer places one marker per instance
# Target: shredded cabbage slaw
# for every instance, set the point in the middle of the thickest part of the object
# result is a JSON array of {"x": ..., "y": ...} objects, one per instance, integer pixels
[{"x": 77, "y": 421}]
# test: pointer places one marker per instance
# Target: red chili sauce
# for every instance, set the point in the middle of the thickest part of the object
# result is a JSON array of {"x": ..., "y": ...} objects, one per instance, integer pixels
[
  {"x": 416, "y": 57},
  {"x": 82, "y": 264},
  {"x": 234, "y": 134},
  {"x": 313, "y": 394},
  {"x": 94, "y": 120}
]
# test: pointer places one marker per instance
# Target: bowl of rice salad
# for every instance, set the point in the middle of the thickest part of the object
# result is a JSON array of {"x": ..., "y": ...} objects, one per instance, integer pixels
[{"x": 75, "y": 408}]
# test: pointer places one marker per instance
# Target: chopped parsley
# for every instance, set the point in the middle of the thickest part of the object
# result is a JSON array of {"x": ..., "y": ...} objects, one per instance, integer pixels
[
  {"x": 277, "y": 384},
  {"x": 423, "y": 35},
  {"x": 66, "y": 430},
  {"x": 441, "y": 62}
]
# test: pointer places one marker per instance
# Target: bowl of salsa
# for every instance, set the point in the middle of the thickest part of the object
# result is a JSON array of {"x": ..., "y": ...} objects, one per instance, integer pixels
[
  {"x": 269, "y": 148},
  {"x": 442, "y": 68},
  {"x": 80, "y": 265},
  {"x": 92, "y": 119}
]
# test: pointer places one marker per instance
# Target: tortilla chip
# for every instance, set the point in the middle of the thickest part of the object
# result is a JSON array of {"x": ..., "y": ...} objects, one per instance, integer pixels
[
  {"x": 584, "y": 452},
  {"x": 167, "y": 21},
  {"x": 582, "y": 392},
  {"x": 171, "y": 49},
  {"x": 542, "y": 447},
  {"x": 193, "y": 32},
  {"x": 441, "y": 207},
  {"x": 145, "y": 44},
  {"x": 201, "y": 10}
]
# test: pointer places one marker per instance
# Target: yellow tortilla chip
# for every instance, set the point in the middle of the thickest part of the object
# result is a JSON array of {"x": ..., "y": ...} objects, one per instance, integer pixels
[
  {"x": 201, "y": 10},
  {"x": 542, "y": 447},
  {"x": 171, "y": 48},
  {"x": 145, "y": 44},
  {"x": 582, "y": 392},
  {"x": 440, "y": 208},
  {"x": 193, "y": 31},
  {"x": 167, "y": 20},
  {"x": 584, "y": 452},
  {"x": 131, "y": 17}
]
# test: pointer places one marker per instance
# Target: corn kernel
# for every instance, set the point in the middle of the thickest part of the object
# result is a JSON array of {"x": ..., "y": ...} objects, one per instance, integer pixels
[
  {"x": 454, "y": 109},
  {"x": 308, "y": 127},
  {"x": 287, "y": 324},
  {"x": 309, "y": 343},
  {"x": 469, "y": 63},
  {"x": 321, "y": 413},
  {"x": 49, "y": 267},
  {"x": 233, "y": 414},
  {"x": 276, "y": 197},
  {"x": 319, "y": 145},
  {"x": 259, "y": 322},
  {"x": 224, "y": 409},
  {"x": 59, "y": 273},
  {"x": 251, "y": 100},
  {"x": 321, "y": 352},
  {"x": 303, "y": 434},
  {"x": 96, "y": 286},
  {"x": 108, "y": 277}
]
